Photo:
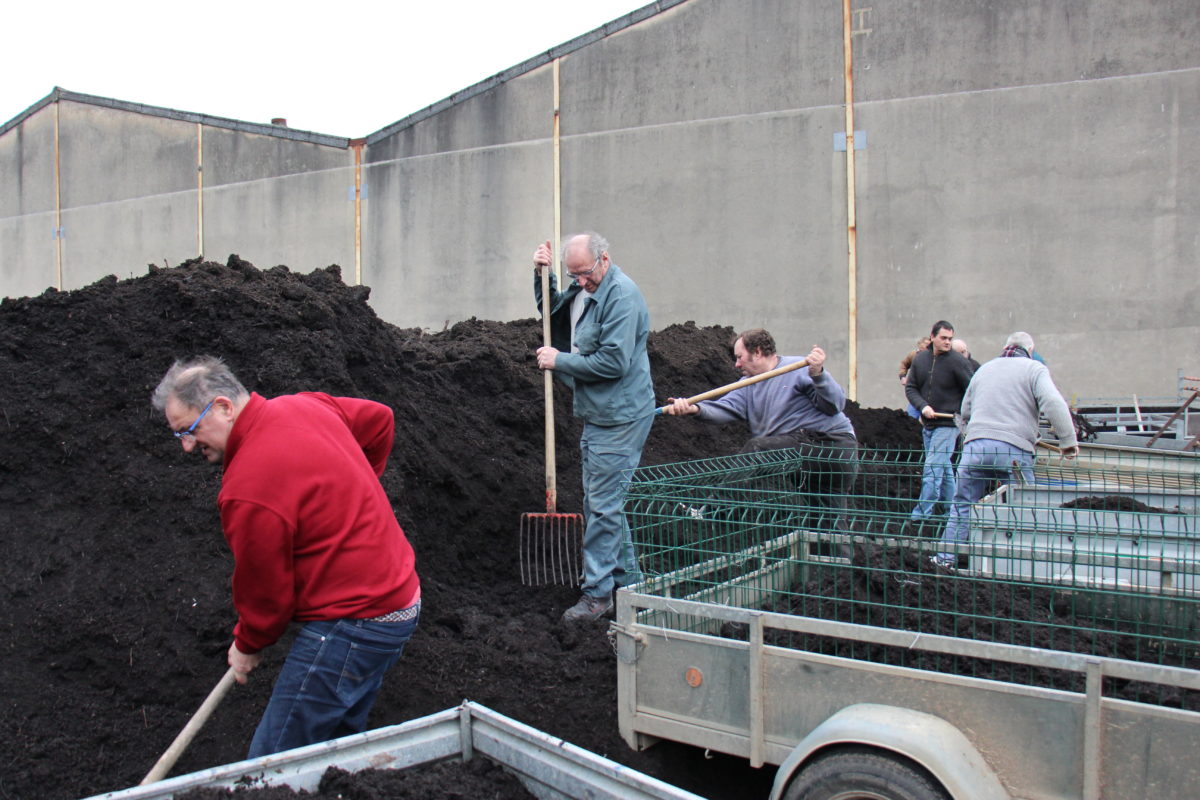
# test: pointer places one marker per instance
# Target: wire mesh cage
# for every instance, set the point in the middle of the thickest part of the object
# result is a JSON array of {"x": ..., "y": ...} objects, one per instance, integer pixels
[{"x": 1096, "y": 555}]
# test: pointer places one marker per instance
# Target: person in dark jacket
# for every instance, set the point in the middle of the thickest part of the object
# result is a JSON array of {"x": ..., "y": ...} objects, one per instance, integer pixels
[{"x": 937, "y": 381}]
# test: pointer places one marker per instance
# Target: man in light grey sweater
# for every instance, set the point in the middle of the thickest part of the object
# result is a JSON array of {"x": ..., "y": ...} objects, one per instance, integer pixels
[{"x": 1001, "y": 408}]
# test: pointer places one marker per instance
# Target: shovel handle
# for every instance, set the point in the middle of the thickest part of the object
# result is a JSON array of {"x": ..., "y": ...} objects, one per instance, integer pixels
[
  {"x": 943, "y": 415},
  {"x": 729, "y": 387},
  {"x": 193, "y": 726}
]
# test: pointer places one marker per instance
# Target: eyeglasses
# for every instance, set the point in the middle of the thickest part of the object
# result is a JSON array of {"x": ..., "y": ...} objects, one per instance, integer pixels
[
  {"x": 586, "y": 272},
  {"x": 192, "y": 427}
]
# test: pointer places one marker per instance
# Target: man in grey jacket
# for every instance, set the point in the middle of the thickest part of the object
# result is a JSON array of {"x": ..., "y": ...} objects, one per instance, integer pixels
[
  {"x": 1001, "y": 408},
  {"x": 599, "y": 328},
  {"x": 802, "y": 410}
]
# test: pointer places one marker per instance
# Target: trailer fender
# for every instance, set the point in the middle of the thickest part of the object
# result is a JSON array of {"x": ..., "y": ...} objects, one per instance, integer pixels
[{"x": 928, "y": 740}]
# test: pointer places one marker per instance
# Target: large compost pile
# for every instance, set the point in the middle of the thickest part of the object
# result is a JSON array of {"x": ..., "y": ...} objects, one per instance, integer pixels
[{"x": 115, "y": 578}]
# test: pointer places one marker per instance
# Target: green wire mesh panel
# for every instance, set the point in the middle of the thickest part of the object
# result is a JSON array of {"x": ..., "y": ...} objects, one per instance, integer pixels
[{"x": 1097, "y": 555}]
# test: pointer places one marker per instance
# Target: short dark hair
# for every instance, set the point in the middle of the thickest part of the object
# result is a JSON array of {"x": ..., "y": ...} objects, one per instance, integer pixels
[
  {"x": 756, "y": 339},
  {"x": 941, "y": 324}
]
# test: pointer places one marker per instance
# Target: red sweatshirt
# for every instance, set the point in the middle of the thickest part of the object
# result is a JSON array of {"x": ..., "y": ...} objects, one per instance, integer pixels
[{"x": 312, "y": 532}]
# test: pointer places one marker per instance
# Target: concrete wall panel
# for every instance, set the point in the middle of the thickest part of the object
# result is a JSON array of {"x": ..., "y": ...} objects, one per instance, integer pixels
[
  {"x": 28, "y": 261},
  {"x": 518, "y": 110},
  {"x": 452, "y": 236},
  {"x": 108, "y": 155},
  {"x": 921, "y": 47},
  {"x": 305, "y": 221},
  {"x": 733, "y": 222},
  {"x": 704, "y": 59},
  {"x": 1035, "y": 209},
  {"x": 232, "y": 156},
  {"x": 27, "y": 166},
  {"x": 121, "y": 238}
]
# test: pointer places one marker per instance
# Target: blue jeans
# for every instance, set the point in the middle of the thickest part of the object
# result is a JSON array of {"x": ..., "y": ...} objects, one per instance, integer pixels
[
  {"x": 982, "y": 462},
  {"x": 329, "y": 682},
  {"x": 607, "y": 452},
  {"x": 937, "y": 476}
]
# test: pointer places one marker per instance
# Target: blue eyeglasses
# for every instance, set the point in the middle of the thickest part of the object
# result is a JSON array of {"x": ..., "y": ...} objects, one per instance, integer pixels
[{"x": 192, "y": 427}]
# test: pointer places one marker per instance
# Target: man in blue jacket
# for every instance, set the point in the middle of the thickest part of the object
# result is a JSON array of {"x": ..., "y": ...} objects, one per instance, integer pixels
[{"x": 598, "y": 331}]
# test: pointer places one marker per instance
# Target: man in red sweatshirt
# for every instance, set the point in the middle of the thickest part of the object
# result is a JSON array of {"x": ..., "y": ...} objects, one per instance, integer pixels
[{"x": 313, "y": 538}]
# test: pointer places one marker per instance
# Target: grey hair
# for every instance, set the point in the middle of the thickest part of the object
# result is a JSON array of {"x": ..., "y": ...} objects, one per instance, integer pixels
[
  {"x": 1021, "y": 339},
  {"x": 197, "y": 381},
  {"x": 597, "y": 245}
]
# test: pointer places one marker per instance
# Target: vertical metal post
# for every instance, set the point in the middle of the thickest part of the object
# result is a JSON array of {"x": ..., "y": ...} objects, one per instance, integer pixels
[
  {"x": 466, "y": 733},
  {"x": 58, "y": 229},
  {"x": 200, "y": 189},
  {"x": 1092, "y": 729},
  {"x": 557, "y": 171},
  {"x": 851, "y": 221},
  {"x": 357, "y": 146},
  {"x": 757, "y": 712}
]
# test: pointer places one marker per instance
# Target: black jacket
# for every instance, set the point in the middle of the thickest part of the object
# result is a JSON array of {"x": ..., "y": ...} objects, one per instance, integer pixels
[{"x": 940, "y": 381}]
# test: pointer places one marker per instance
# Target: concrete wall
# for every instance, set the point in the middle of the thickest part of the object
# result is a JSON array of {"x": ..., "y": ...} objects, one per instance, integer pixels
[
  {"x": 1031, "y": 180},
  {"x": 278, "y": 201},
  {"x": 1027, "y": 166},
  {"x": 27, "y": 220},
  {"x": 128, "y": 191},
  {"x": 1021, "y": 172}
]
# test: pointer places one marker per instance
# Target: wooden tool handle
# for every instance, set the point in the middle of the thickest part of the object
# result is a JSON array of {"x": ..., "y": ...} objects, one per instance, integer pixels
[
  {"x": 548, "y": 395},
  {"x": 729, "y": 387},
  {"x": 193, "y": 726},
  {"x": 1049, "y": 446},
  {"x": 943, "y": 415}
]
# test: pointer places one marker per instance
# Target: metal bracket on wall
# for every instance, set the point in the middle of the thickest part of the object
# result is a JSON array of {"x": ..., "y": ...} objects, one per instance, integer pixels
[
  {"x": 839, "y": 141},
  {"x": 59, "y": 233},
  {"x": 350, "y": 193}
]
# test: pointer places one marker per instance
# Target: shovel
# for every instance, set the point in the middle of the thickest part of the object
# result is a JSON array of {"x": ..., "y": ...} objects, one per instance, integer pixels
[
  {"x": 729, "y": 387},
  {"x": 193, "y": 726},
  {"x": 551, "y": 543}
]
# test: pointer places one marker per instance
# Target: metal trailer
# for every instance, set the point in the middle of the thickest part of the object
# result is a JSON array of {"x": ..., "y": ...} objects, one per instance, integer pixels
[
  {"x": 548, "y": 767},
  {"x": 704, "y": 659}
]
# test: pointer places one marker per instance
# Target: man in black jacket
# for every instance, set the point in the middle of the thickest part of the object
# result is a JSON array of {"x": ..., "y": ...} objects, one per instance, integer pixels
[{"x": 937, "y": 381}]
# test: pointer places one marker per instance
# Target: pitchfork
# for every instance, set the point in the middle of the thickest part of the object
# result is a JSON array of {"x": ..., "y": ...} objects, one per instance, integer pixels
[{"x": 551, "y": 542}]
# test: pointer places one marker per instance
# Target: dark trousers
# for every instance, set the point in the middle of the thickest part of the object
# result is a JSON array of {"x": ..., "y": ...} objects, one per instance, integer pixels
[{"x": 826, "y": 473}]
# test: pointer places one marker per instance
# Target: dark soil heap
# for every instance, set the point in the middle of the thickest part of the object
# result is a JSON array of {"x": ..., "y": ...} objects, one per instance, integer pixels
[{"x": 116, "y": 609}]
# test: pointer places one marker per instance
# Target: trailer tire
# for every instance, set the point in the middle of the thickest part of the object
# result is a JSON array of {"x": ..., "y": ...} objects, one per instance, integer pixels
[{"x": 863, "y": 774}]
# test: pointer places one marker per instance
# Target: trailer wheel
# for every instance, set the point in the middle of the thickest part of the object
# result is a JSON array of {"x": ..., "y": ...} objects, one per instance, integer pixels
[{"x": 860, "y": 774}]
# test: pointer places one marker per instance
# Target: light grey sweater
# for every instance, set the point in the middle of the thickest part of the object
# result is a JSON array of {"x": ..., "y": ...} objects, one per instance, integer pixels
[{"x": 1004, "y": 399}]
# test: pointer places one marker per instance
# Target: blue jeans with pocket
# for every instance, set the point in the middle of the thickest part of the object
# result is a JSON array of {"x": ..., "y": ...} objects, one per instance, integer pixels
[
  {"x": 983, "y": 463},
  {"x": 608, "y": 453},
  {"x": 937, "y": 475},
  {"x": 329, "y": 682}
]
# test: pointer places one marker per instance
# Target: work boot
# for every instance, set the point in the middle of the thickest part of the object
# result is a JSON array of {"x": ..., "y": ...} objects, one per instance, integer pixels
[{"x": 588, "y": 609}]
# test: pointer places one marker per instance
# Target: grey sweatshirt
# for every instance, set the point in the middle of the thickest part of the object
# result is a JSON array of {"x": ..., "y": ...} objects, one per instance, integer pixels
[
  {"x": 784, "y": 404},
  {"x": 1004, "y": 399}
]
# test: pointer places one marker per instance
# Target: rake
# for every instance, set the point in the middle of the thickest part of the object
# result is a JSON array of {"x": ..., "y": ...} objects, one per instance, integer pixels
[{"x": 551, "y": 543}]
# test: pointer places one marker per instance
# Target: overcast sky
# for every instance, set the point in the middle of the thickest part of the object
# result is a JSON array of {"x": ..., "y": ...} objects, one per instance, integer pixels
[{"x": 343, "y": 68}]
